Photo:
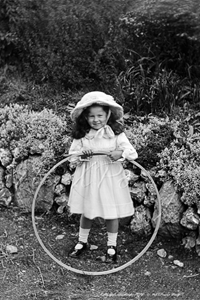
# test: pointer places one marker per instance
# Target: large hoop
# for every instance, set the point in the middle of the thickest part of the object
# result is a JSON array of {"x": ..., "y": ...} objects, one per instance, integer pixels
[{"x": 114, "y": 270}]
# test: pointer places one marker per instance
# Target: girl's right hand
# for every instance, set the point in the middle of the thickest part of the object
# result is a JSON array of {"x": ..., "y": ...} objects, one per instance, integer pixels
[{"x": 87, "y": 154}]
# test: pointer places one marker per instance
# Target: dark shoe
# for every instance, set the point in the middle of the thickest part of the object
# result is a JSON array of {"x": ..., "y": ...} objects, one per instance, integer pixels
[
  {"x": 111, "y": 257},
  {"x": 77, "y": 252}
]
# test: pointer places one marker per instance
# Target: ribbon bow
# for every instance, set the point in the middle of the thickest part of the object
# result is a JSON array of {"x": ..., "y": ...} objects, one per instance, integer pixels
[{"x": 104, "y": 132}]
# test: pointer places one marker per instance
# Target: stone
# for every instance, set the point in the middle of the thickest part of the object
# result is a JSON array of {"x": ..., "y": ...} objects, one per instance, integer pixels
[
  {"x": 190, "y": 219},
  {"x": 197, "y": 248},
  {"x": 20, "y": 219},
  {"x": 5, "y": 157},
  {"x": 26, "y": 180},
  {"x": 93, "y": 247},
  {"x": 178, "y": 263},
  {"x": 147, "y": 273},
  {"x": 151, "y": 197},
  {"x": 11, "y": 249},
  {"x": 9, "y": 178},
  {"x": 16, "y": 153},
  {"x": 171, "y": 210},
  {"x": 101, "y": 258},
  {"x": 66, "y": 179},
  {"x": 63, "y": 198},
  {"x": 162, "y": 253},
  {"x": 189, "y": 242},
  {"x": 162, "y": 173},
  {"x": 149, "y": 201},
  {"x": 59, "y": 189},
  {"x": 141, "y": 221},
  {"x": 198, "y": 207},
  {"x": 198, "y": 238},
  {"x": 138, "y": 192},
  {"x": 170, "y": 257},
  {"x": 56, "y": 180},
  {"x": 61, "y": 208},
  {"x": 131, "y": 176},
  {"x": 9, "y": 181},
  {"x": 2, "y": 177},
  {"x": 60, "y": 237},
  {"x": 5, "y": 196}
]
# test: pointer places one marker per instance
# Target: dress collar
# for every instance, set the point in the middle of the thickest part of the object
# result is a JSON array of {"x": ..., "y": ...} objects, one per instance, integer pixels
[{"x": 104, "y": 132}]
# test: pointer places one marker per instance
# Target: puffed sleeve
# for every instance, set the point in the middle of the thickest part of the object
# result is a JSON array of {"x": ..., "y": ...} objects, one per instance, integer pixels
[
  {"x": 76, "y": 146},
  {"x": 123, "y": 144}
]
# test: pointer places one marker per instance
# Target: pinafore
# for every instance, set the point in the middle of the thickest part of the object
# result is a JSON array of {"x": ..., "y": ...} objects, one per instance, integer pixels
[{"x": 100, "y": 187}]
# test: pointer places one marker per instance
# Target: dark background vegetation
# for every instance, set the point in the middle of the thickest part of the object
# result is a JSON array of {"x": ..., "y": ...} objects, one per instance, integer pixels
[{"x": 146, "y": 53}]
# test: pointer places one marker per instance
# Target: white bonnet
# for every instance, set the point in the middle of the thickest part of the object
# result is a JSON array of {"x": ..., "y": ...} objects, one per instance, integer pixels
[{"x": 99, "y": 98}]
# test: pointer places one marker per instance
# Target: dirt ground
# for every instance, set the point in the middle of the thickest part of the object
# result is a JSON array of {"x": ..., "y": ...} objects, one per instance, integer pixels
[{"x": 32, "y": 274}]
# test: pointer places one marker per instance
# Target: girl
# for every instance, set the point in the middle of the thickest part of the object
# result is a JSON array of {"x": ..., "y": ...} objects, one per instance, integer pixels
[{"x": 99, "y": 187}]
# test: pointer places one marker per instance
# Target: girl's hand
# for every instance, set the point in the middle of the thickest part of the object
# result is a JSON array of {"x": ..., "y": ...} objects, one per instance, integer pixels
[
  {"x": 87, "y": 154},
  {"x": 115, "y": 155}
]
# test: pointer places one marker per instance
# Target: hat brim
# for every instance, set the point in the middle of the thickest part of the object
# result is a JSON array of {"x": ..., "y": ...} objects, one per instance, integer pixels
[{"x": 116, "y": 109}]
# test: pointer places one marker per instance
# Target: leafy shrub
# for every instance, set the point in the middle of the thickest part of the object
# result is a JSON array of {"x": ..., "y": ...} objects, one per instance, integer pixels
[
  {"x": 180, "y": 162},
  {"x": 162, "y": 41},
  {"x": 148, "y": 58},
  {"x": 162, "y": 58},
  {"x": 150, "y": 135},
  {"x": 8, "y": 37},
  {"x": 161, "y": 92},
  {"x": 157, "y": 140},
  {"x": 25, "y": 132},
  {"x": 68, "y": 42}
]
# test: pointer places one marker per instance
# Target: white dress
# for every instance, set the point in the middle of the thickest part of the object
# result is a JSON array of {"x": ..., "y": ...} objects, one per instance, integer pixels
[{"x": 100, "y": 187}]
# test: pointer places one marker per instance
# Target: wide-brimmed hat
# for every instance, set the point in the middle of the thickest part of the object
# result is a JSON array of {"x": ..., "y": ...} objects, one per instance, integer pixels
[{"x": 98, "y": 98}]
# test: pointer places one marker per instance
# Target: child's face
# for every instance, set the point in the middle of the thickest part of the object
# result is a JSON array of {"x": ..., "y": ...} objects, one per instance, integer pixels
[{"x": 97, "y": 117}]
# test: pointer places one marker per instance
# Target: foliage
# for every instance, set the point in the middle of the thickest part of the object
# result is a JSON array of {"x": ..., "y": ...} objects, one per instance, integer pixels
[
  {"x": 68, "y": 43},
  {"x": 169, "y": 146},
  {"x": 8, "y": 37},
  {"x": 25, "y": 132},
  {"x": 180, "y": 161},
  {"x": 147, "y": 58},
  {"x": 150, "y": 135},
  {"x": 159, "y": 93},
  {"x": 15, "y": 89},
  {"x": 162, "y": 57}
]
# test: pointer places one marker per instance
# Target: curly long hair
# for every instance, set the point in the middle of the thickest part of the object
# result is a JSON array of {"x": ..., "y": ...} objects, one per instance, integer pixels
[{"x": 81, "y": 126}]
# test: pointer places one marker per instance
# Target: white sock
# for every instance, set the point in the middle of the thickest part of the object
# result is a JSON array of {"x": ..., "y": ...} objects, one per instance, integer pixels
[
  {"x": 83, "y": 234},
  {"x": 112, "y": 239}
]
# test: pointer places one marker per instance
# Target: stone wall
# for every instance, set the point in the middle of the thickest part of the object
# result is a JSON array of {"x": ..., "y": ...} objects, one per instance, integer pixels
[{"x": 18, "y": 183}]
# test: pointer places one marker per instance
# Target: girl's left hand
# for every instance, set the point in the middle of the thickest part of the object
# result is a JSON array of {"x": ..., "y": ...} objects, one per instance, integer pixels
[{"x": 115, "y": 155}]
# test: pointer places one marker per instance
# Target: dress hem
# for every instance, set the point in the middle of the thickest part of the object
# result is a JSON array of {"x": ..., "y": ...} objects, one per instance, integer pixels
[{"x": 104, "y": 217}]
